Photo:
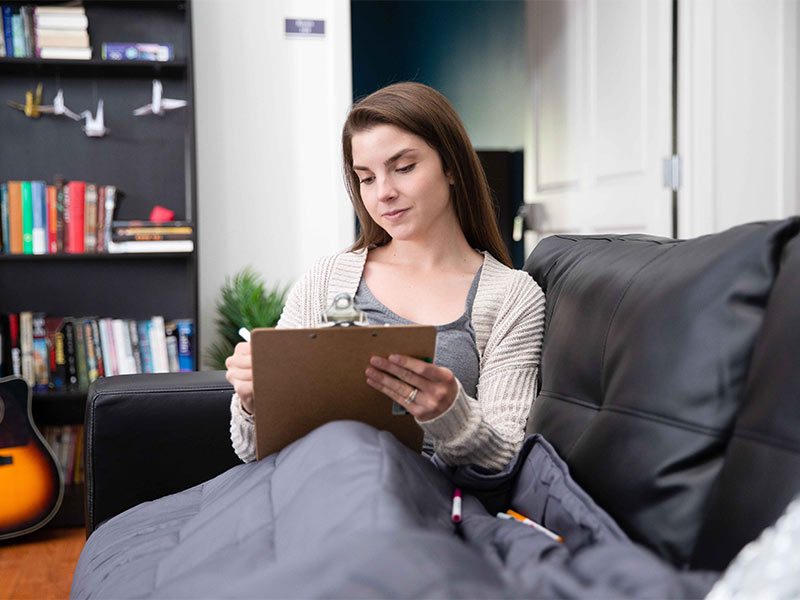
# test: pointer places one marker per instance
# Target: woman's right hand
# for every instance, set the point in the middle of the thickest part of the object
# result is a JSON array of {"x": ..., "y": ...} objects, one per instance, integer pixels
[{"x": 240, "y": 374}]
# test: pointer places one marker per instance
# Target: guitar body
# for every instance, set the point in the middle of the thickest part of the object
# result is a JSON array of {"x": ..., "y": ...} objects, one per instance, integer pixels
[{"x": 31, "y": 483}]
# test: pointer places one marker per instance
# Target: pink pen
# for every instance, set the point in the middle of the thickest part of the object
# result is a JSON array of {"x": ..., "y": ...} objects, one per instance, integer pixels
[{"x": 455, "y": 516}]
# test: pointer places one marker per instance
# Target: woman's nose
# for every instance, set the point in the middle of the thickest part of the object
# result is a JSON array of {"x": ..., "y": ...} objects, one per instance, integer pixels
[{"x": 386, "y": 189}]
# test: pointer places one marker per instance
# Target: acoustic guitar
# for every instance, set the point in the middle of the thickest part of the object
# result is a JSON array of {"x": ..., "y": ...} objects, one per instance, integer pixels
[{"x": 31, "y": 483}]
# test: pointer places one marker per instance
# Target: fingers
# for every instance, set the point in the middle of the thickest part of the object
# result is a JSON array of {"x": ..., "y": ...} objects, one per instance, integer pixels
[
  {"x": 422, "y": 368},
  {"x": 396, "y": 390},
  {"x": 401, "y": 373}
]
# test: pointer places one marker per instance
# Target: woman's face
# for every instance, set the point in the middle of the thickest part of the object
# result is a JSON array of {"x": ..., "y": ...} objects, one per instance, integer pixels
[{"x": 402, "y": 183}]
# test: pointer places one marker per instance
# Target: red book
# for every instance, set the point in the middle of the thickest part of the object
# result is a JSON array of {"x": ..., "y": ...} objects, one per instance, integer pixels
[
  {"x": 52, "y": 220},
  {"x": 77, "y": 200}
]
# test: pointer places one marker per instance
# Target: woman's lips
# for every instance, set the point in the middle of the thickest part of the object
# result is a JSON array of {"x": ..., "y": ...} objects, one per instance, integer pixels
[{"x": 395, "y": 214}]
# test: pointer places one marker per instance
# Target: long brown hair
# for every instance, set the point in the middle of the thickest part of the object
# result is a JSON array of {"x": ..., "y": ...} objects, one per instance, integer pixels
[{"x": 424, "y": 112}]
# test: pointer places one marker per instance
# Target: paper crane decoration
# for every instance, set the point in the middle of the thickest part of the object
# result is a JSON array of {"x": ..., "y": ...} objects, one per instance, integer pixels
[
  {"x": 93, "y": 125},
  {"x": 159, "y": 105},
  {"x": 33, "y": 100},
  {"x": 59, "y": 108}
]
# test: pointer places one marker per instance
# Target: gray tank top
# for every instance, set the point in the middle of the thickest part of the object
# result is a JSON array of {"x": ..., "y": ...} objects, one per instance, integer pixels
[{"x": 456, "y": 346}]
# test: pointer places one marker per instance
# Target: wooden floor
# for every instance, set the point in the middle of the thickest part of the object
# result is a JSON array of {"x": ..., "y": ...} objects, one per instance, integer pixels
[{"x": 40, "y": 565}]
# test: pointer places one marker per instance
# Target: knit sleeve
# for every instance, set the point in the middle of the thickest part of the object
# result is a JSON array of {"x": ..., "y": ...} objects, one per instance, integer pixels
[
  {"x": 488, "y": 430},
  {"x": 242, "y": 426}
]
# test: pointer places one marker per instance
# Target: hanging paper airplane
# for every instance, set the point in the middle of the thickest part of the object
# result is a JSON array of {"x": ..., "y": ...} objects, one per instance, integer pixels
[
  {"x": 58, "y": 108},
  {"x": 33, "y": 100}
]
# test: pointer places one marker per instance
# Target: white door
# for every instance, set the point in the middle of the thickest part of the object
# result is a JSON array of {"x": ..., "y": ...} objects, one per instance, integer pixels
[{"x": 600, "y": 74}]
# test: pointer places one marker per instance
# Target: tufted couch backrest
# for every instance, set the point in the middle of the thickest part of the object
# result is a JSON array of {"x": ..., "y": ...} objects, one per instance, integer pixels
[{"x": 659, "y": 386}]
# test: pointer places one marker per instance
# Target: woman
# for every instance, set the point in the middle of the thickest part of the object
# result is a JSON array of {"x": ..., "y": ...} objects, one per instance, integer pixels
[{"x": 429, "y": 252}]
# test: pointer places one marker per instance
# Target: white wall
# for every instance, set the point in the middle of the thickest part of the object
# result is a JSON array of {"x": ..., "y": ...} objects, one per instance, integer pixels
[
  {"x": 737, "y": 112},
  {"x": 269, "y": 112}
]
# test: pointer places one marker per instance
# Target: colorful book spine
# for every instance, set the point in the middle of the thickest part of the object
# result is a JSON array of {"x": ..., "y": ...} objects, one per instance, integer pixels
[
  {"x": 185, "y": 330},
  {"x": 70, "y": 350},
  {"x": 15, "y": 216},
  {"x": 4, "y": 218},
  {"x": 98, "y": 350},
  {"x": 27, "y": 218},
  {"x": 145, "y": 353},
  {"x": 90, "y": 214},
  {"x": 41, "y": 363},
  {"x": 52, "y": 220},
  {"x": 14, "y": 344},
  {"x": 80, "y": 355},
  {"x": 77, "y": 197},
  {"x": 39, "y": 221},
  {"x": 60, "y": 227},
  {"x": 26, "y": 346},
  {"x": 8, "y": 30},
  {"x": 18, "y": 31}
]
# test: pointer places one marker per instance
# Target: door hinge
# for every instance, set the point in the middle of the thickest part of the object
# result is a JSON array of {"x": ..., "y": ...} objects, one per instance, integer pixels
[{"x": 672, "y": 172}]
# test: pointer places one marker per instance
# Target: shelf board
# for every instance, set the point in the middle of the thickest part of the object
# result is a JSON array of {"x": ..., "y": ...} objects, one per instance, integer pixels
[
  {"x": 110, "y": 67},
  {"x": 92, "y": 257}
]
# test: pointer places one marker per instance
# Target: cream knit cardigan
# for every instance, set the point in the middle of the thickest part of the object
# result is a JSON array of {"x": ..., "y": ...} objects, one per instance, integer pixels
[{"x": 508, "y": 318}]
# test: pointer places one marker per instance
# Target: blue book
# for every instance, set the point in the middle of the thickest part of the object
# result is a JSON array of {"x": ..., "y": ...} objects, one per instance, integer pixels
[
  {"x": 144, "y": 346},
  {"x": 6, "y": 249},
  {"x": 18, "y": 31},
  {"x": 185, "y": 330},
  {"x": 39, "y": 205},
  {"x": 8, "y": 29}
]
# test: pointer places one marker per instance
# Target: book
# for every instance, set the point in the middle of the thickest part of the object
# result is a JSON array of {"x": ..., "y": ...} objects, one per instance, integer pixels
[
  {"x": 70, "y": 353},
  {"x": 26, "y": 16},
  {"x": 150, "y": 246},
  {"x": 27, "y": 218},
  {"x": 8, "y": 30},
  {"x": 4, "y": 218},
  {"x": 26, "y": 346},
  {"x": 90, "y": 218},
  {"x": 98, "y": 350},
  {"x": 171, "y": 334},
  {"x": 18, "y": 33},
  {"x": 134, "y": 337},
  {"x": 39, "y": 221},
  {"x": 100, "y": 245},
  {"x": 65, "y": 38},
  {"x": 80, "y": 355},
  {"x": 14, "y": 350},
  {"x": 106, "y": 343},
  {"x": 60, "y": 216},
  {"x": 15, "y": 216},
  {"x": 185, "y": 331},
  {"x": 110, "y": 204},
  {"x": 73, "y": 21},
  {"x": 58, "y": 358},
  {"x": 158, "y": 345},
  {"x": 41, "y": 362},
  {"x": 60, "y": 53},
  {"x": 91, "y": 357},
  {"x": 122, "y": 345},
  {"x": 74, "y": 205},
  {"x": 52, "y": 220},
  {"x": 136, "y": 51},
  {"x": 145, "y": 354}
]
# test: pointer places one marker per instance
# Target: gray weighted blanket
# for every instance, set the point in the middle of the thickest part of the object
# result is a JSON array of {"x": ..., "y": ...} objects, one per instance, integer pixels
[{"x": 347, "y": 512}]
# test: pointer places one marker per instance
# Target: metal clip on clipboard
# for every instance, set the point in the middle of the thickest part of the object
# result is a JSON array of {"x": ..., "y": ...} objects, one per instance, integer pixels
[{"x": 343, "y": 313}]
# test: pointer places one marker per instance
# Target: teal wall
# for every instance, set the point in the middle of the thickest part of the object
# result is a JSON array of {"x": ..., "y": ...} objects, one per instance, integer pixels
[{"x": 473, "y": 51}]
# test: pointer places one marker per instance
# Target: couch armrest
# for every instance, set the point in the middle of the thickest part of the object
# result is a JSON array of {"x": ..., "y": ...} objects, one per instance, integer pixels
[{"x": 148, "y": 436}]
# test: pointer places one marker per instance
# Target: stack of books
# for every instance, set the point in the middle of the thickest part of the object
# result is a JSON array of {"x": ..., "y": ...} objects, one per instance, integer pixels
[
  {"x": 151, "y": 236},
  {"x": 72, "y": 217},
  {"x": 61, "y": 32},
  {"x": 69, "y": 353}
]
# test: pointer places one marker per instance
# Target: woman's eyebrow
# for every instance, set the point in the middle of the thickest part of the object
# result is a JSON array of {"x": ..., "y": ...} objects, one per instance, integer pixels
[{"x": 389, "y": 160}]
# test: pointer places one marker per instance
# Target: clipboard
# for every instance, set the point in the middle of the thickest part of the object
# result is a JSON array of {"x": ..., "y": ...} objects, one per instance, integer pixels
[{"x": 305, "y": 378}]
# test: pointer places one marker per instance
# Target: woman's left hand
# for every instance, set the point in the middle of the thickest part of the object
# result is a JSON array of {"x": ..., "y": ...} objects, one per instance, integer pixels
[{"x": 398, "y": 377}]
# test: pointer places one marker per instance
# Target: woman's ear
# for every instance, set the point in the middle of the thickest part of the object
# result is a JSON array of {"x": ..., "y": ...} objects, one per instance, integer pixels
[{"x": 450, "y": 178}]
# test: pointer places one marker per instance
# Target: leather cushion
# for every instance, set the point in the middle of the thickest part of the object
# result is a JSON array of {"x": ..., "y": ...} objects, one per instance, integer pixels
[{"x": 647, "y": 348}]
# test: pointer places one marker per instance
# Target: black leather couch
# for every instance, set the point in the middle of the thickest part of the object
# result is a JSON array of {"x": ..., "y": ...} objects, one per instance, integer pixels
[{"x": 668, "y": 383}]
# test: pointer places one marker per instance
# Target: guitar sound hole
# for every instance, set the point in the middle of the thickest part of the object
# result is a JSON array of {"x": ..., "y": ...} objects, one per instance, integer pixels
[{"x": 6, "y": 460}]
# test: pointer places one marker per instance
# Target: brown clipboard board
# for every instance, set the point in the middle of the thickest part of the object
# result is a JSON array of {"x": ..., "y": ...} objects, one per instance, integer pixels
[{"x": 305, "y": 378}]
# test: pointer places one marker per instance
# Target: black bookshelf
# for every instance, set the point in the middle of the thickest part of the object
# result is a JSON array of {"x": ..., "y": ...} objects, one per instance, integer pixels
[{"x": 151, "y": 159}]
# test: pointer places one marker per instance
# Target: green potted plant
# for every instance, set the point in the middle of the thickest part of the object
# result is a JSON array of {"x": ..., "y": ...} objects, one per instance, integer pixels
[{"x": 244, "y": 302}]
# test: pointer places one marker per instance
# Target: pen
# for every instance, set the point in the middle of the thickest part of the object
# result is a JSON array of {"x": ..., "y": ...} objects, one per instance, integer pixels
[
  {"x": 455, "y": 513},
  {"x": 245, "y": 334},
  {"x": 515, "y": 516}
]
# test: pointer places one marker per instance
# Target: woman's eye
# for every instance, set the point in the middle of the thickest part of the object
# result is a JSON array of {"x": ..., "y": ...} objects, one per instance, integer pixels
[
  {"x": 366, "y": 180},
  {"x": 407, "y": 168}
]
